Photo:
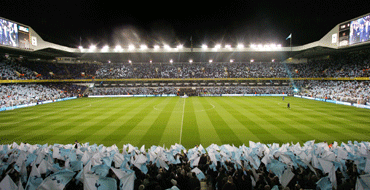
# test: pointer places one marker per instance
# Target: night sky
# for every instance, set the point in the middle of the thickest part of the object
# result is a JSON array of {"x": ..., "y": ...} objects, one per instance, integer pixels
[{"x": 174, "y": 22}]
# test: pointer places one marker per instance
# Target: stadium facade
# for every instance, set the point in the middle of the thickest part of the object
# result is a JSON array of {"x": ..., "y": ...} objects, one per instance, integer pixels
[{"x": 26, "y": 42}]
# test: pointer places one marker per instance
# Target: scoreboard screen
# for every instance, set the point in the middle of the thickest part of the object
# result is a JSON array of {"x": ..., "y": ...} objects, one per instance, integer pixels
[
  {"x": 359, "y": 30},
  {"x": 24, "y": 37},
  {"x": 8, "y": 33},
  {"x": 14, "y": 35}
]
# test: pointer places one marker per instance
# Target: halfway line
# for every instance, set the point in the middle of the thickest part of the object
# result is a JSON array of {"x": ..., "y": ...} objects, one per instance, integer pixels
[{"x": 182, "y": 121}]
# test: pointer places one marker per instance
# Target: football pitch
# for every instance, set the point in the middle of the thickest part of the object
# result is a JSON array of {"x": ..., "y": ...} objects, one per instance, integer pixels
[{"x": 189, "y": 121}]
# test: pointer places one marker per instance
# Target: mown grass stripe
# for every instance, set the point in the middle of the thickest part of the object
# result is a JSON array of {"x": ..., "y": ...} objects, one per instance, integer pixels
[
  {"x": 255, "y": 132},
  {"x": 207, "y": 132},
  {"x": 78, "y": 124},
  {"x": 225, "y": 133},
  {"x": 154, "y": 134},
  {"x": 190, "y": 131},
  {"x": 124, "y": 129},
  {"x": 26, "y": 134},
  {"x": 97, "y": 130},
  {"x": 256, "y": 106},
  {"x": 318, "y": 128}
]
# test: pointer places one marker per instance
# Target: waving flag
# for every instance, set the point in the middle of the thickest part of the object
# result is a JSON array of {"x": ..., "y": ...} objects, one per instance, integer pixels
[{"x": 290, "y": 36}]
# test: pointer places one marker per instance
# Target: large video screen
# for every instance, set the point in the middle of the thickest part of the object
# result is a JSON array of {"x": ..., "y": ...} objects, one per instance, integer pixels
[
  {"x": 8, "y": 33},
  {"x": 359, "y": 30},
  {"x": 24, "y": 37}
]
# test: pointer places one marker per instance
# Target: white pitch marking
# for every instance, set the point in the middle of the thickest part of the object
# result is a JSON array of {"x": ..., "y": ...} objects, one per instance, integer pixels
[{"x": 182, "y": 121}]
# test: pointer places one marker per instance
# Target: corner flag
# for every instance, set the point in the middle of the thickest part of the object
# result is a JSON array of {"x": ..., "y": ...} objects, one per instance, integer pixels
[{"x": 289, "y": 37}]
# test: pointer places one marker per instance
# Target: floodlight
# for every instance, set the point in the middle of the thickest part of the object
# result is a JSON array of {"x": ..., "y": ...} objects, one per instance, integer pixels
[
  {"x": 231, "y": 60},
  {"x": 252, "y": 60},
  {"x": 105, "y": 48},
  {"x": 204, "y": 46},
  {"x": 143, "y": 47},
  {"x": 278, "y": 46},
  {"x": 273, "y": 46},
  {"x": 217, "y": 46},
  {"x": 80, "y": 47},
  {"x": 190, "y": 61},
  {"x": 131, "y": 47},
  {"x": 118, "y": 48},
  {"x": 180, "y": 46},
  {"x": 253, "y": 46},
  {"x": 167, "y": 47},
  {"x": 92, "y": 47},
  {"x": 210, "y": 61},
  {"x": 260, "y": 46},
  {"x": 156, "y": 46},
  {"x": 273, "y": 60},
  {"x": 171, "y": 61},
  {"x": 240, "y": 46},
  {"x": 150, "y": 61},
  {"x": 129, "y": 61},
  {"x": 228, "y": 46}
]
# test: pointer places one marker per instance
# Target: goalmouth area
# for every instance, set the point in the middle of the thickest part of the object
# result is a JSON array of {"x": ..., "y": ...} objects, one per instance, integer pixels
[{"x": 187, "y": 121}]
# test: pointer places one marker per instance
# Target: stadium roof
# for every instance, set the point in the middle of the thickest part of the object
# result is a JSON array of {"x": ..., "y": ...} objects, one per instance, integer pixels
[{"x": 38, "y": 48}]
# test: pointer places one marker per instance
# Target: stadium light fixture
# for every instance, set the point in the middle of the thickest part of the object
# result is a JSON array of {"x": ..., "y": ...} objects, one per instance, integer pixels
[
  {"x": 156, "y": 47},
  {"x": 252, "y": 60},
  {"x": 204, "y": 46},
  {"x": 105, "y": 48},
  {"x": 260, "y": 46},
  {"x": 80, "y": 47},
  {"x": 273, "y": 46},
  {"x": 217, "y": 46},
  {"x": 143, "y": 47},
  {"x": 228, "y": 46},
  {"x": 231, "y": 60},
  {"x": 253, "y": 46},
  {"x": 118, "y": 48},
  {"x": 129, "y": 61},
  {"x": 131, "y": 47},
  {"x": 278, "y": 46},
  {"x": 273, "y": 60},
  {"x": 92, "y": 47},
  {"x": 180, "y": 46},
  {"x": 190, "y": 61},
  {"x": 171, "y": 61},
  {"x": 240, "y": 46},
  {"x": 167, "y": 47},
  {"x": 210, "y": 61}
]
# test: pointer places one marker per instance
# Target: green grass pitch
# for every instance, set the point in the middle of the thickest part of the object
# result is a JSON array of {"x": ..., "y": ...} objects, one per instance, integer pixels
[{"x": 191, "y": 121}]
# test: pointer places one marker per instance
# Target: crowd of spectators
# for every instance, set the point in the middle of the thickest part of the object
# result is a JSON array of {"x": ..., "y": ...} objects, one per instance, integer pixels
[
  {"x": 259, "y": 166},
  {"x": 20, "y": 94},
  {"x": 133, "y": 91},
  {"x": 346, "y": 91},
  {"x": 11, "y": 70},
  {"x": 195, "y": 70},
  {"x": 354, "y": 65},
  {"x": 246, "y": 90},
  {"x": 346, "y": 65}
]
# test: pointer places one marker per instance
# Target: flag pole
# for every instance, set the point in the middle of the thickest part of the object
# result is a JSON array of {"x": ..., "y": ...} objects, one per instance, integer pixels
[{"x": 191, "y": 43}]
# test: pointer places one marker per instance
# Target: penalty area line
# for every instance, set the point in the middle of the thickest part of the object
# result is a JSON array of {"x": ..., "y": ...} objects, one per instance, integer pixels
[{"x": 182, "y": 120}]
